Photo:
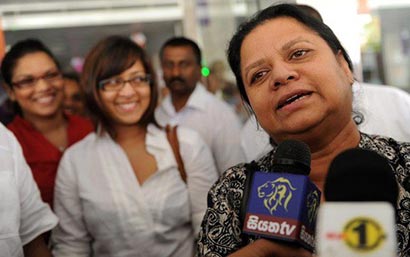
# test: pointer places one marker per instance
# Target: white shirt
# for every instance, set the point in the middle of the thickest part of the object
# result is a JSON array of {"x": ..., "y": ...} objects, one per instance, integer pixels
[
  {"x": 254, "y": 140},
  {"x": 386, "y": 112},
  {"x": 215, "y": 121},
  {"x": 104, "y": 211},
  {"x": 23, "y": 215}
]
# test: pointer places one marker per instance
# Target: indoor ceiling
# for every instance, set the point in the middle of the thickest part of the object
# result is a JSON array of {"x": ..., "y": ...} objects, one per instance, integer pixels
[
  {"x": 66, "y": 43},
  {"x": 76, "y": 37}
]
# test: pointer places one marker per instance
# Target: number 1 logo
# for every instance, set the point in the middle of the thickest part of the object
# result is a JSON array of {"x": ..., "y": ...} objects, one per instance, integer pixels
[{"x": 363, "y": 234}]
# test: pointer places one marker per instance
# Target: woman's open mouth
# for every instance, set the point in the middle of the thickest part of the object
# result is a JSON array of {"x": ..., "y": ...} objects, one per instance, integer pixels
[{"x": 292, "y": 99}]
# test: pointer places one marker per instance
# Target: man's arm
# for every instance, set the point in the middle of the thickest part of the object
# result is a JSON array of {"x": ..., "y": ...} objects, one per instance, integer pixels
[{"x": 227, "y": 149}]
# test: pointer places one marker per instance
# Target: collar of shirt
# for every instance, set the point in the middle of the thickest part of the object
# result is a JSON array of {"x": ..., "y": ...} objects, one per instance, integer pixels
[
  {"x": 197, "y": 100},
  {"x": 156, "y": 146},
  {"x": 155, "y": 143}
]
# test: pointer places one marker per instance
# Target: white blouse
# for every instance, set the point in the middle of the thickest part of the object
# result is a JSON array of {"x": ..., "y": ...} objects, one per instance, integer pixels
[{"x": 104, "y": 211}]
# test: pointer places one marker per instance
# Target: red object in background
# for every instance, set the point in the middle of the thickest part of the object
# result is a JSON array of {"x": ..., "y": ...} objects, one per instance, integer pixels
[{"x": 2, "y": 42}]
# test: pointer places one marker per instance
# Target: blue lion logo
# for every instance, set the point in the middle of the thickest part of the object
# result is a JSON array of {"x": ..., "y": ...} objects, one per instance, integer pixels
[{"x": 276, "y": 193}]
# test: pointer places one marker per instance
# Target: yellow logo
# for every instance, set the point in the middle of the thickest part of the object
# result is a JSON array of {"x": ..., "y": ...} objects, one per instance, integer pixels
[
  {"x": 276, "y": 193},
  {"x": 363, "y": 234}
]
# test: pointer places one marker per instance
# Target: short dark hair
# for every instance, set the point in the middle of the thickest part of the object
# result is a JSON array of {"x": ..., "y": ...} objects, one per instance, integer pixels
[
  {"x": 18, "y": 51},
  {"x": 272, "y": 12},
  {"x": 109, "y": 57},
  {"x": 183, "y": 41}
]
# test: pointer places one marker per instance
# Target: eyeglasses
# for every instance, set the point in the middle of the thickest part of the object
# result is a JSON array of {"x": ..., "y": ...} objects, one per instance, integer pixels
[
  {"x": 30, "y": 82},
  {"x": 116, "y": 84}
]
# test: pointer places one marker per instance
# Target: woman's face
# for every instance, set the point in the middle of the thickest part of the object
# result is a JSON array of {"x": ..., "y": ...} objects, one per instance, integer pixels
[
  {"x": 37, "y": 85},
  {"x": 295, "y": 83},
  {"x": 127, "y": 104}
]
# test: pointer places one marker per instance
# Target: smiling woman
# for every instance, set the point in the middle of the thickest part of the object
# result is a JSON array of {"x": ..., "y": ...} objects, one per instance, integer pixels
[
  {"x": 35, "y": 85},
  {"x": 119, "y": 192},
  {"x": 295, "y": 75}
]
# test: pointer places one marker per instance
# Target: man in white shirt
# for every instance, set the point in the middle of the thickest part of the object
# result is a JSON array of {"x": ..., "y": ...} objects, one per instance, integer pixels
[
  {"x": 190, "y": 104},
  {"x": 24, "y": 217},
  {"x": 385, "y": 110}
]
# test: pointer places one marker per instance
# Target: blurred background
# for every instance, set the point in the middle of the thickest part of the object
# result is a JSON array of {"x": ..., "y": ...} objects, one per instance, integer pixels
[{"x": 376, "y": 33}]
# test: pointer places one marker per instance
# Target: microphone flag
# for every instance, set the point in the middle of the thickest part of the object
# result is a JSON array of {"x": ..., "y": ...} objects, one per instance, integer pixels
[
  {"x": 282, "y": 206},
  {"x": 356, "y": 229}
]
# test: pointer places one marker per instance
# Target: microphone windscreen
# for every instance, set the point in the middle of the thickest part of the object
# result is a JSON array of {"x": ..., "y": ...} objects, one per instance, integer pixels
[
  {"x": 360, "y": 175},
  {"x": 292, "y": 156}
]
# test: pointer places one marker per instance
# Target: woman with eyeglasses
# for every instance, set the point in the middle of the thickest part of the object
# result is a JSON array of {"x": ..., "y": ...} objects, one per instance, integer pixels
[
  {"x": 35, "y": 86},
  {"x": 119, "y": 191}
]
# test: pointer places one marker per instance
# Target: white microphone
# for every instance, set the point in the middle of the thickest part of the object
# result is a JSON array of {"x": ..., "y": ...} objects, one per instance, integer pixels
[{"x": 358, "y": 217}]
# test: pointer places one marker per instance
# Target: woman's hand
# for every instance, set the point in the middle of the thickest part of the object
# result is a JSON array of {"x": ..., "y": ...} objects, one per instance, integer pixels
[{"x": 267, "y": 248}]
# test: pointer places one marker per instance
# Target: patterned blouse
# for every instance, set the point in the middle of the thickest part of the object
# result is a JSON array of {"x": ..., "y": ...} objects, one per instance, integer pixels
[{"x": 221, "y": 232}]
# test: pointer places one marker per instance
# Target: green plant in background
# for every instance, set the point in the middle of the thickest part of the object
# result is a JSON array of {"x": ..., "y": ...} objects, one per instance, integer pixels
[{"x": 371, "y": 38}]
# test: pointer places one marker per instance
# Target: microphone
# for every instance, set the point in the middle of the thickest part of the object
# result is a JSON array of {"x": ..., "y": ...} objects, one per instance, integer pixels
[
  {"x": 358, "y": 217},
  {"x": 282, "y": 204}
]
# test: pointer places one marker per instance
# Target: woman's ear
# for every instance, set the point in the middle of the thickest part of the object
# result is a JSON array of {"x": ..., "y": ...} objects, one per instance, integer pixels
[
  {"x": 345, "y": 66},
  {"x": 10, "y": 92}
]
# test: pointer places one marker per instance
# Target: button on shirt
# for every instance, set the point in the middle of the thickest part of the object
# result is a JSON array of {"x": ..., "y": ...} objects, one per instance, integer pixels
[
  {"x": 215, "y": 121},
  {"x": 23, "y": 215},
  {"x": 103, "y": 209}
]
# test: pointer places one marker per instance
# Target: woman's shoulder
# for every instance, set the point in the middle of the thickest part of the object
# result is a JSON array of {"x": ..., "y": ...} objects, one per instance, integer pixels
[
  {"x": 84, "y": 146},
  {"x": 230, "y": 183},
  {"x": 374, "y": 142},
  {"x": 396, "y": 152},
  {"x": 240, "y": 170},
  {"x": 236, "y": 173}
]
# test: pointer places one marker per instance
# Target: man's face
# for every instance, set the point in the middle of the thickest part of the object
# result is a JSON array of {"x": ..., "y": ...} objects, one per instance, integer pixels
[
  {"x": 74, "y": 102},
  {"x": 181, "y": 70}
]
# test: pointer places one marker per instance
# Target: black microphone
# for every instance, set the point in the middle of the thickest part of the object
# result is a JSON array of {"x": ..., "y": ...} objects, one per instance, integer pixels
[
  {"x": 358, "y": 218},
  {"x": 293, "y": 157},
  {"x": 282, "y": 204}
]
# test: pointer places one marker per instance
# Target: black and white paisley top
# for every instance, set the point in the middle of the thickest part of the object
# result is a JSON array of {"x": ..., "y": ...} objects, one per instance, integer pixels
[{"x": 221, "y": 233}]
